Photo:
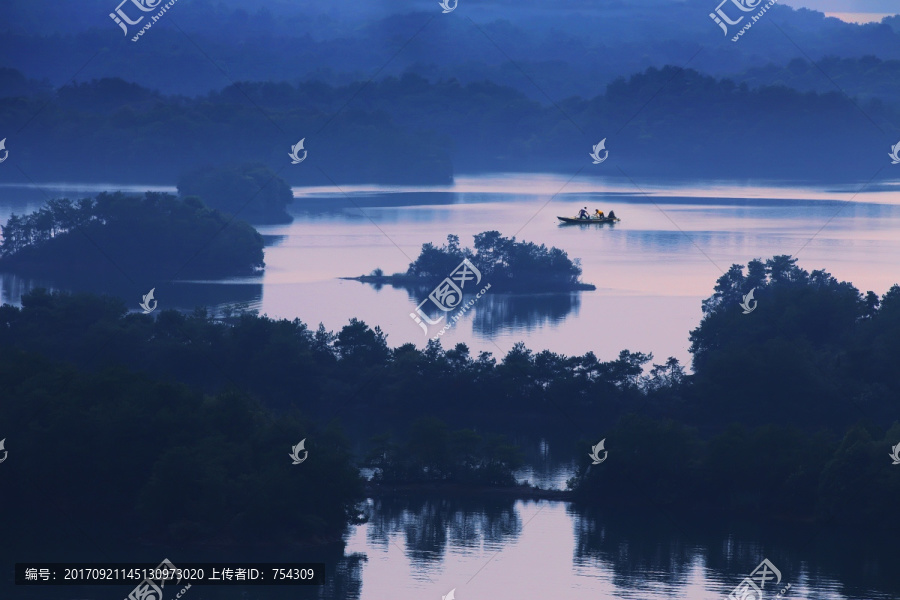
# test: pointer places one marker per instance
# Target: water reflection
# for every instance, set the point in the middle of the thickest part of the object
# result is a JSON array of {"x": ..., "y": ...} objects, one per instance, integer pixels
[
  {"x": 486, "y": 549},
  {"x": 498, "y": 312},
  {"x": 218, "y": 296},
  {"x": 656, "y": 546},
  {"x": 430, "y": 526}
]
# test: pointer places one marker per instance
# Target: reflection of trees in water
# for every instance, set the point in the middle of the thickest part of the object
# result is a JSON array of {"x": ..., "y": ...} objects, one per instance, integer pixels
[
  {"x": 495, "y": 312},
  {"x": 345, "y": 582},
  {"x": 188, "y": 295},
  {"x": 430, "y": 525},
  {"x": 15, "y": 286},
  {"x": 635, "y": 546},
  {"x": 180, "y": 295},
  {"x": 519, "y": 312}
]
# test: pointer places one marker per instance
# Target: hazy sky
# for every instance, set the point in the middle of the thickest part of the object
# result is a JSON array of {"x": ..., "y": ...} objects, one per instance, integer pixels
[{"x": 847, "y": 6}]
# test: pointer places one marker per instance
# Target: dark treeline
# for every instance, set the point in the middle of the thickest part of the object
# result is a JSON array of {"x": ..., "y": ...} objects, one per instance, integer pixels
[
  {"x": 411, "y": 129},
  {"x": 865, "y": 78},
  {"x": 769, "y": 471},
  {"x": 431, "y": 452},
  {"x": 503, "y": 262},
  {"x": 135, "y": 457},
  {"x": 786, "y": 412},
  {"x": 814, "y": 354},
  {"x": 150, "y": 237},
  {"x": 790, "y": 411}
]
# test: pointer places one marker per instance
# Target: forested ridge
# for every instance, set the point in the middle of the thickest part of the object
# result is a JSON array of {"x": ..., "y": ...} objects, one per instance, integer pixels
[{"x": 412, "y": 129}]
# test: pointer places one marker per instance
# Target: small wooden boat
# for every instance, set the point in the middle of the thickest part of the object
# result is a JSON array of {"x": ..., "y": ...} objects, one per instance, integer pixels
[{"x": 577, "y": 221}]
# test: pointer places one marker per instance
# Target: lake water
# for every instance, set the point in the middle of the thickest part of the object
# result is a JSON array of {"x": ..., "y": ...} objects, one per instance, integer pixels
[
  {"x": 652, "y": 270},
  {"x": 422, "y": 548}
]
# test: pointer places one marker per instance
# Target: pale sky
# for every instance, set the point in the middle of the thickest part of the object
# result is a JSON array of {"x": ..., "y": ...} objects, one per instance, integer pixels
[{"x": 847, "y": 6}]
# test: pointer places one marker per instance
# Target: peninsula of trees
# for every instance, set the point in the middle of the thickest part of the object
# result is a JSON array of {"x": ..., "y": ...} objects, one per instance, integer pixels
[{"x": 153, "y": 237}]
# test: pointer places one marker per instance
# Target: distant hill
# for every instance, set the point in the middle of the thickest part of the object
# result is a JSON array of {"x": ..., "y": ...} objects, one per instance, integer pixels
[
  {"x": 667, "y": 122},
  {"x": 118, "y": 132},
  {"x": 866, "y": 78}
]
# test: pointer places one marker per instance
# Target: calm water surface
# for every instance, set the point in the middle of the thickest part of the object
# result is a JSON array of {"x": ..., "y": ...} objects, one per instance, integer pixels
[{"x": 652, "y": 270}]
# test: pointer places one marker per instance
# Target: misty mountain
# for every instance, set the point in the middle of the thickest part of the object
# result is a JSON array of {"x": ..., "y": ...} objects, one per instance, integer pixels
[{"x": 575, "y": 48}]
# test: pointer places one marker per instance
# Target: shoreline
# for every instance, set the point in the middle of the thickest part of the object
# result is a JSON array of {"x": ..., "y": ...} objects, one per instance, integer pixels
[
  {"x": 518, "y": 492},
  {"x": 400, "y": 280}
]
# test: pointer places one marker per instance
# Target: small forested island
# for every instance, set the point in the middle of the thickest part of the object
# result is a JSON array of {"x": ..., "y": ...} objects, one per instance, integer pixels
[
  {"x": 250, "y": 191},
  {"x": 504, "y": 263},
  {"x": 156, "y": 236}
]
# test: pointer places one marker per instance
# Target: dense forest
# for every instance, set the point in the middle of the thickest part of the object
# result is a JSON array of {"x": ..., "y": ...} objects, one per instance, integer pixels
[
  {"x": 503, "y": 262},
  {"x": 149, "y": 238},
  {"x": 430, "y": 452},
  {"x": 669, "y": 122},
  {"x": 810, "y": 375},
  {"x": 251, "y": 190}
]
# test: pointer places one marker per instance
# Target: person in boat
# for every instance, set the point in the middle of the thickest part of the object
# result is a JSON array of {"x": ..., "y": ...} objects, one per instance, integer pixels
[
  {"x": 598, "y": 214},
  {"x": 612, "y": 214},
  {"x": 583, "y": 213}
]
